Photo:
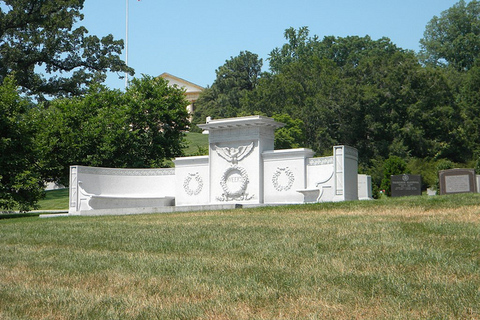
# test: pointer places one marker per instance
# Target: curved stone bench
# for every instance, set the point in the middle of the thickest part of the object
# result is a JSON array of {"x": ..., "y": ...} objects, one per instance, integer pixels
[{"x": 107, "y": 188}]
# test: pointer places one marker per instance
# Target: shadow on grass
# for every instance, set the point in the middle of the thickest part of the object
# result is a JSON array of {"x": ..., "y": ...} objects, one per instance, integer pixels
[{"x": 18, "y": 215}]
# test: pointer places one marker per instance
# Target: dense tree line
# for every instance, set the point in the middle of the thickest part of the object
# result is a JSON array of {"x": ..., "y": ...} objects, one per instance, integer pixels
[{"x": 384, "y": 100}]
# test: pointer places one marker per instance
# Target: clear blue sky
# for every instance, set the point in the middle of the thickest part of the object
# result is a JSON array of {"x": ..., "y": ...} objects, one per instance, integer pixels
[{"x": 191, "y": 39}]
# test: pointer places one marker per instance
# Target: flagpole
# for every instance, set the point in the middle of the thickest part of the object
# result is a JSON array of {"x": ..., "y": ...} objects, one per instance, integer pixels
[{"x": 126, "y": 43}]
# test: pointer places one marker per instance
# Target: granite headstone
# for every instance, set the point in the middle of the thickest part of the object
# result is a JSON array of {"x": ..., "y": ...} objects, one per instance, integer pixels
[
  {"x": 406, "y": 185},
  {"x": 457, "y": 181}
]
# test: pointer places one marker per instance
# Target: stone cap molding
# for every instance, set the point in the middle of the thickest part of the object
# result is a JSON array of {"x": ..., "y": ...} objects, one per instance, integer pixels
[
  {"x": 125, "y": 171},
  {"x": 250, "y": 121},
  {"x": 283, "y": 154},
  {"x": 195, "y": 160}
]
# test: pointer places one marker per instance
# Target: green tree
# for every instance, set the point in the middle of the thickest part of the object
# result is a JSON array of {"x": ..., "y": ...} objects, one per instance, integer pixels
[
  {"x": 77, "y": 130},
  {"x": 20, "y": 183},
  {"x": 366, "y": 93},
  {"x": 307, "y": 91},
  {"x": 143, "y": 127},
  {"x": 297, "y": 46},
  {"x": 291, "y": 134},
  {"x": 403, "y": 109},
  {"x": 454, "y": 37},
  {"x": 40, "y": 37},
  {"x": 392, "y": 166},
  {"x": 470, "y": 103},
  {"x": 234, "y": 79},
  {"x": 157, "y": 117}
]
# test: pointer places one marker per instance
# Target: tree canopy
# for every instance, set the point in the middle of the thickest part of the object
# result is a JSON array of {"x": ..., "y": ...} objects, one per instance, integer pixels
[
  {"x": 140, "y": 128},
  {"x": 357, "y": 91},
  {"x": 237, "y": 76},
  {"x": 46, "y": 54},
  {"x": 453, "y": 38},
  {"x": 20, "y": 182},
  {"x": 40, "y": 38}
]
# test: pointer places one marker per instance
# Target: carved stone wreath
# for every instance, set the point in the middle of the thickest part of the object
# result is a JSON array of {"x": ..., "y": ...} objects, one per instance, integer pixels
[
  {"x": 289, "y": 175},
  {"x": 234, "y": 183},
  {"x": 188, "y": 180}
]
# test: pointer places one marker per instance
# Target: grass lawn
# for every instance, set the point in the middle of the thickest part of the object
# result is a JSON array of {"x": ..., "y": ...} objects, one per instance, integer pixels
[
  {"x": 403, "y": 258},
  {"x": 55, "y": 200},
  {"x": 195, "y": 141}
]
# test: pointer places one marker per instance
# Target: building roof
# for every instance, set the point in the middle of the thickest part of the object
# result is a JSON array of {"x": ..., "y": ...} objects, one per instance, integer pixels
[{"x": 190, "y": 87}]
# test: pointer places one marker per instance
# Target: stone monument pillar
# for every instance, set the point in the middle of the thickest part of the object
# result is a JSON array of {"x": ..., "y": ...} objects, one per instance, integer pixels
[{"x": 236, "y": 165}]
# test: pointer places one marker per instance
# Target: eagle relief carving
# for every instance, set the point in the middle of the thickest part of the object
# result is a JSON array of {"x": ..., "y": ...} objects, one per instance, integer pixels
[
  {"x": 232, "y": 154},
  {"x": 234, "y": 180}
]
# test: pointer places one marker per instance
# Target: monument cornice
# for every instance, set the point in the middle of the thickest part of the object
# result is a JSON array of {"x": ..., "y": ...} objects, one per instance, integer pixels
[{"x": 241, "y": 122}]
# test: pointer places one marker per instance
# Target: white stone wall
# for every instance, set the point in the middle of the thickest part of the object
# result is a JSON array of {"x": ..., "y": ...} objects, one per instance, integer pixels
[
  {"x": 191, "y": 181},
  {"x": 285, "y": 172},
  {"x": 236, "y": 165},
  {"x": 335, "y": 176},
  {"x": 235, "y": 180}
]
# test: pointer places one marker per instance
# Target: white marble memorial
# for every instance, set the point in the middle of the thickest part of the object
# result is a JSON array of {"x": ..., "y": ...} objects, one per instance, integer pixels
[{"x": 242, "y": 168}]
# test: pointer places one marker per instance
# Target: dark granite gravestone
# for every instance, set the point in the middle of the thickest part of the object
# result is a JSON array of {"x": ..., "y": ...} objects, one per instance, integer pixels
[
  {"x": 457, "y": 181},
  {"x": 406, "y": 185}
]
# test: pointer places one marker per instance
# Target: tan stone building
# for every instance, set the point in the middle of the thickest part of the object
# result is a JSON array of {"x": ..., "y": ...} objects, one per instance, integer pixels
[{"x": 192, "y": 90}]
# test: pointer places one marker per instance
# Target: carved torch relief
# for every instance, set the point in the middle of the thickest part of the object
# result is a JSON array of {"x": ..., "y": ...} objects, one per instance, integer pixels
[{"x": 234, "y": 179}]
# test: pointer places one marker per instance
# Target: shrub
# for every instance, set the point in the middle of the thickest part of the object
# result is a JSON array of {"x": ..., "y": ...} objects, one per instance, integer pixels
[{"x": 392, "y": 166}]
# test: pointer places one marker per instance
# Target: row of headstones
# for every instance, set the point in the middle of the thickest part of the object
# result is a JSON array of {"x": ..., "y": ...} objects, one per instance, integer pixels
[{"x": 450, "y": 181}]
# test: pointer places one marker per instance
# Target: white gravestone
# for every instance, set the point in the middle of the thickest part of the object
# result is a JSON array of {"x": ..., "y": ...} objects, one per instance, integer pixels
[{"x": 457, "y": 181}]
